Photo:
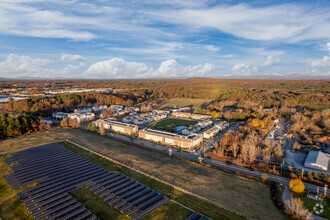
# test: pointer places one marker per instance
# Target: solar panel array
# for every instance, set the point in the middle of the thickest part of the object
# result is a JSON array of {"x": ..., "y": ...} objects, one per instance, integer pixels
[
  {"x": 197, "y": 216},
  {"x": 59, "y": 171}
]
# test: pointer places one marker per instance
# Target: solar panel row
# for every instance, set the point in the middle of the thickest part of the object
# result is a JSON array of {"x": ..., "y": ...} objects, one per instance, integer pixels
[
  {"x": 196, "y": 215},
  {"x": 59, "y": 171}
]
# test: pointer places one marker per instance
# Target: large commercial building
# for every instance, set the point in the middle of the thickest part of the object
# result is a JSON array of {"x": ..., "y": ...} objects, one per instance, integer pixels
[
  {"x": 117, "y": 126},
  {"x": 172, "y": 139},
  {"x": 317, "y": 160}
]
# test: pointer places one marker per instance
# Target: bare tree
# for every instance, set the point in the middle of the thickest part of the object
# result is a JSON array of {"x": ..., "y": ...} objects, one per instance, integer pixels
[
  {"x": 296, "y": 209},
  {"x": 244, "y": 150},
  {"x": 108, "y": 113},
  {"x": 296, "y": 146},
  {"x": 266, "y": 155},
  {"x": 221, "y": 150},
  {"x": 102, "y": 130},
  {"x": 278, "y": 152},
  {"x": 227, "y": 115},
  {"x": 234, "y": 145}
]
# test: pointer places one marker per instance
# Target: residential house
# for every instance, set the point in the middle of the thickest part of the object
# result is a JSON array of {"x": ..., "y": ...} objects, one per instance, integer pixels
[
  {"x": 82, "y": 117},
  {"x": 181, "y": 114},
  {"x": 99, "y": 108},
  {"x": 211, "y": 132},
  {"x": 83, "y": 110},
  {"x": 205, "y": 123},
  {"x": 222, "y": 125},
  {"x": 158, "y": 111},
  {"x": 59, "y": 115},
  {"x": 200, "y": 117},
  {"x": 159, "y": 116}
]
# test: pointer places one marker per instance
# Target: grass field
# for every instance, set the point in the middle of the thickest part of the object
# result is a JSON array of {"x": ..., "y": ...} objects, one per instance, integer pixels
[
  {"x": 194, "y": 203},
  {"x": 235, "y": 192},
  {"x": 315, "y": 107},
  {"x": 25, "y": 141},
  {"x": 104, "y": 211},
  {"x": 178, "y": 122},
  {"x": 97, "y": 205},
  {"x": 310, "y": 203},
  {"x": 184, "y": 102},
  {"x": 11, "y": 206}
]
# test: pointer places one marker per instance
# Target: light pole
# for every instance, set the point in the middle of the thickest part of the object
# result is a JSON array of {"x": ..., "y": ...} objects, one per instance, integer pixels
[{"x": 325, "y": 190}]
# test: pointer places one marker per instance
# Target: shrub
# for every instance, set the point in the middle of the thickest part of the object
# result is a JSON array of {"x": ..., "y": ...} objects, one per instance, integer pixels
[
  {"x": 297, "y": 185},
  {"x": 264, "y": 177}
]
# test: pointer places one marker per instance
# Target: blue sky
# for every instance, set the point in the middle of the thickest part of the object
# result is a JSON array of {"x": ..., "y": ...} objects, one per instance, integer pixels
[{"x": 164, "y": 39}]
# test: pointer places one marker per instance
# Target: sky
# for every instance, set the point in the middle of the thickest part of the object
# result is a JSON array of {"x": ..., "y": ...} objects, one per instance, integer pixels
[{"x": 123, "y": 39}]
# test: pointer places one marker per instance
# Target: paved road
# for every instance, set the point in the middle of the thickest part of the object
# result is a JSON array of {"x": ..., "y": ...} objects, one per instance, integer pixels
[{"x": 282, "y": 180}]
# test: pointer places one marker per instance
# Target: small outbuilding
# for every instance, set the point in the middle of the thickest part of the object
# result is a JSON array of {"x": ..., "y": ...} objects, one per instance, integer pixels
[{"x": 317, "y": 160}]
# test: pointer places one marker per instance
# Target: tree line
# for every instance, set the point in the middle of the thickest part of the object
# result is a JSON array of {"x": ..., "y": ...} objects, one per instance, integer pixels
[
  {"x": 12, "y": 125},
  {"x": 65, "y": 102}
]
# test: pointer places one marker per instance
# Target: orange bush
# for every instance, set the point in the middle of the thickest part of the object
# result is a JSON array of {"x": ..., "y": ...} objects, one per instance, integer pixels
[
  {"x": 297, "y": 185},
  {"x": 258, "y": 123}
]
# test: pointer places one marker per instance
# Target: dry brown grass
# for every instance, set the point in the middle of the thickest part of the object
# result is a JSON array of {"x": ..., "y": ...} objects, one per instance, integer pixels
[
  {"x": 25, "y": 141},
  {"x": 232, "y": 191}
]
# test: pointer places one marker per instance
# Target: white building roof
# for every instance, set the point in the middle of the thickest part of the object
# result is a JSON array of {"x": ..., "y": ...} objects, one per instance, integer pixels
[{"x": 317, "y": 160}]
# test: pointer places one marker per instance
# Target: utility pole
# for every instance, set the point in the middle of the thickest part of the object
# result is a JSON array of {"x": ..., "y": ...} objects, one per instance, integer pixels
[{"x": 325, "y": 190}]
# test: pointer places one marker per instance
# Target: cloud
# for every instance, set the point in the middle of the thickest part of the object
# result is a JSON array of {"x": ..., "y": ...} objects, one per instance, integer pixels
[
  {"x": 163, "y": 50},
  {"x": 70, "y": 68},
  {"x": 247, "y": 69},
  {"x": 119, "y": 68},
  {"x": 72, "y": 58},
  {"x": 212, "y": 48},
  {"x": 16, "y": 66},
  {"x": 320, "y": 67},
  {"x": 287, "y": 22},
  {"x": 323, "y": 62},
  {"x": 22, "y": 19},
  {"x": 179, "y": 3},
  {"x": 76, "y": 20},
  {"x": 243, "y": 68},
  {"x": 170, "y": 68},
  {"x": 270, "y": 61}
]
